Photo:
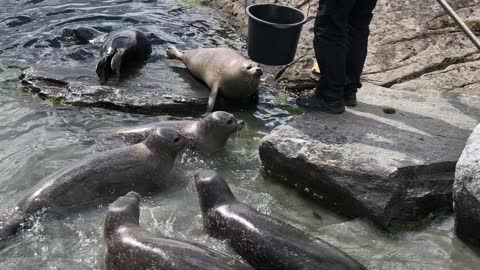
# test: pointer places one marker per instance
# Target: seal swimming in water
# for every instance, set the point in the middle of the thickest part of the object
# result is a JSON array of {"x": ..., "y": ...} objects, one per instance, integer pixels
[
  {"x": 264, "y": 242},
  {"x": 207, "y": 135},
  {"x": 117, "y": 48},
  {"x": 222, "y": 69},
  {"x": 105, "y": 175},
  {"x": 130, "y": 247}
]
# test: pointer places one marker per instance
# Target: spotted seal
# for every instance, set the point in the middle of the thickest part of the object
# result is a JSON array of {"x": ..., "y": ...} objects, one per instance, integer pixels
[
  {"x": 117, "y": 48},
  {"x": 101, "y": 176},
  {"x": 264, "y": 242},
  {"x": 130, "y": 247},
  {"x": 207, "y": 135},
  {"x": 222, "y": 69}
]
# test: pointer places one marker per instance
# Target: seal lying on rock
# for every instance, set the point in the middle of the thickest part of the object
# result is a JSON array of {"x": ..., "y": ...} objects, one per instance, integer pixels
[
  {"x": 264, "y": 242},
  {"x": 206, "y": 135},
  {"x": 117, "y": 48},
  {"x": 120, "y": 47},
  {"x": 129, "y": 247},
  {"x": 222, "y": 69},
  {"x": 104, "y": 175}
]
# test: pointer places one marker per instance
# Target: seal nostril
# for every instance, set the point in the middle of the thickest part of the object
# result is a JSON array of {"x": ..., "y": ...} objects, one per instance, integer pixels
[{"x": 389, "y": 110}]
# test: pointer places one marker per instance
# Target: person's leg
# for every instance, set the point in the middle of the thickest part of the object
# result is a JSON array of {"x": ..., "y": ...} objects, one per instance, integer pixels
[
  {"x": 358, "y": 32},
  {"x": 331, "y": 48}
]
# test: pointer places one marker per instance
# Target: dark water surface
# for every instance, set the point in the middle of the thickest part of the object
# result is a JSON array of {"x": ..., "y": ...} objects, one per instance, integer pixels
[{"x": 38, "y": 137}]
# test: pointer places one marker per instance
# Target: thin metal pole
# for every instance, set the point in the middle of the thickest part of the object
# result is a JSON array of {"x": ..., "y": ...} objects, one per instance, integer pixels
[{"x": 460, "y": 23}]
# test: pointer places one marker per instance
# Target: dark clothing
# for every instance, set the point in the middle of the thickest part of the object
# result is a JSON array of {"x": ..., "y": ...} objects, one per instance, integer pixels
[{"x": 341, "y": 39}]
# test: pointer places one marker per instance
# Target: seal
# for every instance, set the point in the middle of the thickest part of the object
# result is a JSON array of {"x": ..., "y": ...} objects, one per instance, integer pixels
[
  {"x": 207, "y": 135},
  {"x": 130, "y": 247},
  {"x": 223, "y": 70},
  {"x": 101, "y": 176},
  {"x": 264, "y": 242},
  {"x": 117, "y": 48}
]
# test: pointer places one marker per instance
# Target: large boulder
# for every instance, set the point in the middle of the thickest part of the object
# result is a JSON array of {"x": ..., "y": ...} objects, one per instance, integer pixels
[
  {"x": 391, "y": 159},
  {"x": 466, "y": 191}
]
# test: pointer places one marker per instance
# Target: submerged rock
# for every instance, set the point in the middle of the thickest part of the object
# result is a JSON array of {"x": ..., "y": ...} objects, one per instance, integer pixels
[
  {"x": 391, "y": 159},
  {"x": 466, "y": 191},
  {"x": 155, "y": 88}
]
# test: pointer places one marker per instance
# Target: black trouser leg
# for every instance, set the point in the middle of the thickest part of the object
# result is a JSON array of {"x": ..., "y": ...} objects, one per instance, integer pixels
[
  {"x": 331, "y": 46},
  {"x": 358, "y": 32}
]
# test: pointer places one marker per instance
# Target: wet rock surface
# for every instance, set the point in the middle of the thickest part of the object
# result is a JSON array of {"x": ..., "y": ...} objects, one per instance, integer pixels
[
  {"x": 413, "y": 45},
  {"x": 391, "y": 159},
  {"x": 159, "y": 88},
  {"x": 466, "y": 191}
]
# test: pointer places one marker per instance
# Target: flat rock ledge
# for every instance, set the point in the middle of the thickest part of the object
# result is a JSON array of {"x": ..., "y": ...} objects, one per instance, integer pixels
[
  {"x": 391, "y": 159},
  {"x": 466, "y": 191},
  {"x": 154, "y": 89}
]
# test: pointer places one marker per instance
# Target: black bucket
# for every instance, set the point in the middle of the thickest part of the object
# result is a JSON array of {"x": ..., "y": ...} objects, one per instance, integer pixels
[{"x": 273, "y": 33}]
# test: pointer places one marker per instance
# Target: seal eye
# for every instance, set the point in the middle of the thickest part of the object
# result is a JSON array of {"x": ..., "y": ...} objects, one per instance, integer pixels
[
  {"x": 249, "y": 66},
  {"x": 177, "y": 139},
  {"x": 230, "y": 122}
]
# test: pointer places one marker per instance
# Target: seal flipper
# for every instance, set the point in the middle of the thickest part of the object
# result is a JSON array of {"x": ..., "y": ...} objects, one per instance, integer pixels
[
  {"x": 173, "y": 53},
  {"x": 212, "y": 98},
  {"x": 117, "y": 61},
  {"x": 104, "y": 69},
  {"x": 10, "y": 223}
]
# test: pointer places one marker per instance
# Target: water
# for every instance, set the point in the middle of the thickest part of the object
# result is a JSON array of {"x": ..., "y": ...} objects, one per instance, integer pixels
[{"x": 38, "y": 138}]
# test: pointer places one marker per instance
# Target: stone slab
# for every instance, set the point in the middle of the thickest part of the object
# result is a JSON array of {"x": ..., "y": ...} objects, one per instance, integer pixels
[
  {"x": 158, "y": 87},
  {"x": 395, "y": 169}
]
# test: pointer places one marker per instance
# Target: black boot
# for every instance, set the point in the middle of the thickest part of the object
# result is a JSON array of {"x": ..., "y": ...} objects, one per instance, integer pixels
[
  {"x": 319, "y": 104},
  {"x": 350, "y": 99}
]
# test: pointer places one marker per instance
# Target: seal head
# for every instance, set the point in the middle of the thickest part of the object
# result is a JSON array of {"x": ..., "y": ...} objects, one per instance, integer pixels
[
  {"x": 167, "y": 140},
  {"x": 253, "y": 71},
  {"x": 215, "y": 129},
  {"x": 213, "y": 191},
  {"x": 124, "y": 211}
]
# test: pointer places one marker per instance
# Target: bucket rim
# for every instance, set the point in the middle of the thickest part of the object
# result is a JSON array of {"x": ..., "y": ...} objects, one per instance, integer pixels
[{"x": 278, "y": 25}]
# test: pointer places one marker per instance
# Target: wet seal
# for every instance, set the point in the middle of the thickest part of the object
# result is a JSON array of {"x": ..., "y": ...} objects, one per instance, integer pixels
[
  {"x": 100, "y": 177},
  {"x": 264, "y": 242},
  {"x": 207, "y": 135},
  {"x": 130, "y": 247},
  {"x": 223, "y": 70},
  {"x": 118, "y": 49}
]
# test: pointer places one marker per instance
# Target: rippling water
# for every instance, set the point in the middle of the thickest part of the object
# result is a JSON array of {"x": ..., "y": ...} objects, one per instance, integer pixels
[{"x": 38, "y": 138}]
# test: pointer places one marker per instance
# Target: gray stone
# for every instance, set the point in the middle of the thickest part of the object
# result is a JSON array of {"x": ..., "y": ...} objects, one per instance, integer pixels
[
  {"x": 466, "y": 191},
  {"x": 395, "y": 169},
  {"x": 155, "y": 88}
]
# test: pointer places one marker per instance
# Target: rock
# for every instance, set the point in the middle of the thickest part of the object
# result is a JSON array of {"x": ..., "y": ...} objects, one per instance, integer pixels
[
  {"x": 466, "y": 191},
  {"x": 410, "y": 41},
  {"x": 158, "y": 88},
  {"x": 390, "y": 159},
  {"x": 461, "y": 78}
]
